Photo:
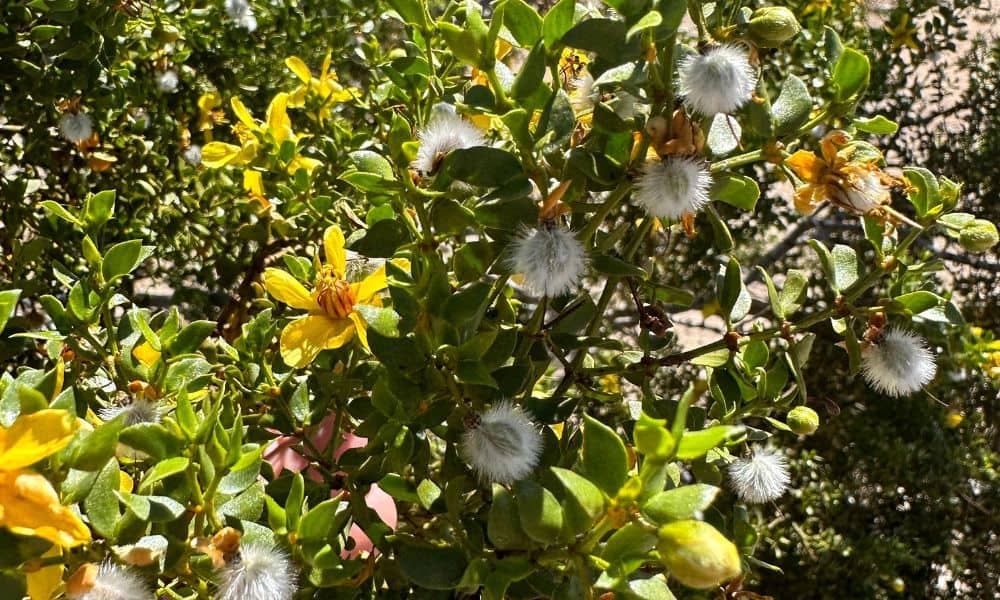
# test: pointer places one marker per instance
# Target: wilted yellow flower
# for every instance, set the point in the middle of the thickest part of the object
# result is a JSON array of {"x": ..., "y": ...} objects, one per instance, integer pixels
[
  {"x": 858, "y": 186},
  {"x": 209, "y": 113},
  {"x": 29, "y": 505},
  {"x": 332, "y": 319},
  {"x": 325, "y": 87}
]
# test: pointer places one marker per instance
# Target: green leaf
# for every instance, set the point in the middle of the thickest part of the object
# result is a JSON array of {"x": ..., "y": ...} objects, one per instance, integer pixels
[
  {"x": 120, "y": 259},
  {"x": 605, "y": 460},
  {"x": 91, "y": 452},
  {"x": 523, "y": 22},
  {"x": 503, "y": 525},
  {"x": 367, "y": 161},
  {"x": 243, "y": 473},
  {"x": 733, "y": 295},
  {"x": 153, "y": 439},
  {"x": 723, "y": 135},
  {"x": 610, "y": 265},
  {"x": 648, "y": 21},
  {"x": 99, "y": 208},
  {"x": 468, "y": 304},
  {"x": 463, "y": 42},
  {"x": 850, "y": 74},
  {"x": 736, "y": 190},
  {"x": 686, "y": 502},
  {"x": 162, "y": 470},
  {"x": 315, "y": 525},
  {"x": 539, "y": 512},
  {"x": 412, "y": 12},
  {"x": 694, "y": 444},
  {"x": 190, "y": 338},
  {"x": 845, "y": 266},
  {"x": 531, "y": 74},
  {"x": 919, "y": 301},
  {"x": 482, "y": 165},
  {"x": 431, "y": 567},
  {"x": 793, "y": 291},
  {"x": 791, "y": 109},
  {"x": 631, "y": 540},
  {"x": 925, "y": 194},
  {"x": 382, "y": 239},
  {"x": 826, "y": 261},
  {"x": 8, "y": 302},
  {"x": 58, "y": 210},
  {"x": 605, "y": 37},
  {"x": 668, "y": 294},
  {"x": 878, "y": 125},
  {"x": 383, "y": 320},
  {"x": 557, "y": 22},
  {"x": 653, "y": 439},
  {"x": 101, "y": 503},
  {"x": 713, "y": 359},
  {"x": 584, "y": 501}
]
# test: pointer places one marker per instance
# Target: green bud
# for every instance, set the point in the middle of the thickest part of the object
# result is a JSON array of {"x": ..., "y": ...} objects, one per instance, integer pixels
[
  {"x": 802, "y": 420},
  {"x": 771, "y": 26},
  {"x": 697, "y": 554},
  {"x": 978, "y": 236}
]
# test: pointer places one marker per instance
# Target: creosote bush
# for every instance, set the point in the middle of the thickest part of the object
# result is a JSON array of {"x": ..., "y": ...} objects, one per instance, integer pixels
[{"x": 420, "y": 262}]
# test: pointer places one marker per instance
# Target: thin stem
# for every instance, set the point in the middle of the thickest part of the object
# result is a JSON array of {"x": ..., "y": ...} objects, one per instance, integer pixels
[{"x": 737, "y": 161}]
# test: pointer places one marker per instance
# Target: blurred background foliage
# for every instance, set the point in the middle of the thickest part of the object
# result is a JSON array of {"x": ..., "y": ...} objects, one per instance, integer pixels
[{"x": 896, "y": 498}]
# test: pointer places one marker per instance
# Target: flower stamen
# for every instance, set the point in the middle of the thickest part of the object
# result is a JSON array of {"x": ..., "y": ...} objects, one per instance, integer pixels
[{"x": 334, "y": 295}]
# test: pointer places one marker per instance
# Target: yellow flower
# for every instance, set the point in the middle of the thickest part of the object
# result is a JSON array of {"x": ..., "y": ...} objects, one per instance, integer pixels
[
  {"x": 325, "y": 87},
  {"x": 209, "y": 114},
  {"x": 332, "y": 319},
  {"x": 29, "y": 505},
  {"x": 859, "y": 187},
  {"x": 276, "y": 129}
]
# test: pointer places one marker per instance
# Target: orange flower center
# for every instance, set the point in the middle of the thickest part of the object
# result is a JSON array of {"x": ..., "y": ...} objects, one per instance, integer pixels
[{"x": 334, "y": 294}]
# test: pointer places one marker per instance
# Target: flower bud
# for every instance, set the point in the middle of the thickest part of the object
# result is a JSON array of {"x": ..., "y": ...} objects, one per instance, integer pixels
[
  {"x": 771, "y": 26},
  {"x": 697, "y": 554},
  {"x": 978, "y": 236},
  {"x": 802, "y": 420}
]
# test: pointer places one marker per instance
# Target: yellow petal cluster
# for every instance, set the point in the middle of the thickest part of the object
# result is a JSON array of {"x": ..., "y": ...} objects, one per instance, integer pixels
[
  {"x": 326, "y": 88},
  {"x": 29, "y": 505}
]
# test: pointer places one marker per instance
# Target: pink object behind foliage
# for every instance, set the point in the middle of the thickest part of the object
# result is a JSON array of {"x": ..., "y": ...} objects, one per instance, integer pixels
[{"x": 285, "y": 452}]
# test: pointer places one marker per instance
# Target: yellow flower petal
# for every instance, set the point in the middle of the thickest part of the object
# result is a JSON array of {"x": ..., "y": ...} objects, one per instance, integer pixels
[
  {"x": 325, "y": 69},
  {"x": 243, "y": 114},
  {"x": 287, "y": 289},
  {"x": 304, "y": 338},
  {"x": 253, "y": 182},
  {"x": 43, "y": 583},
  {"x": 208, "y": 101},
  {"x": 145, "y": 354},
  {"x": 219, "y": 154},
  {"x": 299, "y": 68},
  {"x": 277, "y": 118},
  {"x": 30, "y": 506},
  {"x": 303, "y": 162},
  {"x": 807, "y": 165},
  {"x": 333, "y": 247},
  {"x": 33, "y": 437},
  {"x": 370, "y": 286},
  {"x": 360, "y": 328}
]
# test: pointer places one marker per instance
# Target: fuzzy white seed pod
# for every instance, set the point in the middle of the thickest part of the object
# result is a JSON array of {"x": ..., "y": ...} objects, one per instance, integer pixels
[
  {"x": 502, "y": 445},
  {"x": 898, "y": 364},
  {"x": 140, "y": 410},
  {"x": 192, "y": 154},
  {"x": 446, "y": 131},
  {"x": 241, "y": 12},
  {"x": 670, "y": 187},
  {"x": 864, "y": 191},
  {"x": 719, "y": 81},
  {"x": 761, "y": 477},
  {"x": 260, "y": 572},
  {"x": 551, "y": 259},
  {"x": 167, "y": 82},
  {"x": 76, "y": 127},
  {"x": 112, "y": 582}
]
